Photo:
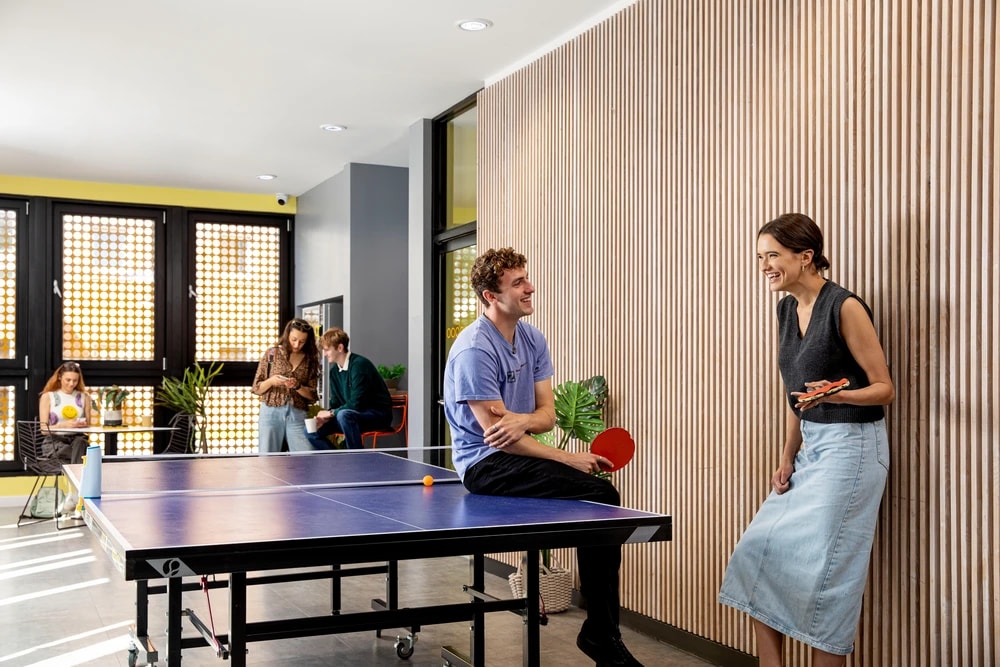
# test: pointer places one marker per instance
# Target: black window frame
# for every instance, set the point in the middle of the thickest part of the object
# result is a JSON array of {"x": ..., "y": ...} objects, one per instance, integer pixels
[
  {"x": 443, "y": 241},
  {"x": 39, "y": 313}
]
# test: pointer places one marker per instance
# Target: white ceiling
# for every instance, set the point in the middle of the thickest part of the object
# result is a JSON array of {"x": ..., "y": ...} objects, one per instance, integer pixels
[{"x": 207, "y": 94}]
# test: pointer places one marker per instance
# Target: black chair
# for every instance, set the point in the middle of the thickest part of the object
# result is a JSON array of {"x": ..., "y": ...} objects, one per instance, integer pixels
[
  {"x": 29, "y": 445},
  {"x": 180, "y": 437}
]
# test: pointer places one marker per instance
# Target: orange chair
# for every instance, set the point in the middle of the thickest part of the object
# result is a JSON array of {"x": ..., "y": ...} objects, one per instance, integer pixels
[{"x": 399, "y": 403}]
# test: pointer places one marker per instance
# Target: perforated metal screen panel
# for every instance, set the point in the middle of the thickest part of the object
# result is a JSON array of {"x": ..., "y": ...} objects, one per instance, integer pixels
[
  {"x": 238, "y": 290},
  {"x": 107, "y": 288}
]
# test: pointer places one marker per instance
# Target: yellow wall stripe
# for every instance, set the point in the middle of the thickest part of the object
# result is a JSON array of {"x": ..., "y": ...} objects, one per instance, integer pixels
[{"x": 142, "y": 194}]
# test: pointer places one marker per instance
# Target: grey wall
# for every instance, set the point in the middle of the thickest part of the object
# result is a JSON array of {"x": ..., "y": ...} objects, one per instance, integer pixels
[
  {"x": 323, "y": 242},
  {"x": 377, "y": 310},
  {"x": 351, "y": 241}
]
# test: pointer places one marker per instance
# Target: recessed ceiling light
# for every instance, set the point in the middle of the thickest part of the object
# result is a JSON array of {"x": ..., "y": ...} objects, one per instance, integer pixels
[
  {"x": 333, "y": 128},
  {"x": 475, "y": 25},
  {"x": 267, "y": 177}
]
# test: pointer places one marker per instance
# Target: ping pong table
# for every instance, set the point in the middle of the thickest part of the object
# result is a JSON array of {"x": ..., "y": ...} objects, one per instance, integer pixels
[{"x": 175, "y": 517}]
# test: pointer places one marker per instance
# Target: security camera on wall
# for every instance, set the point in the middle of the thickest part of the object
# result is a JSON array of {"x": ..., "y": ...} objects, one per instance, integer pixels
[{"x": 281, "y": 198}]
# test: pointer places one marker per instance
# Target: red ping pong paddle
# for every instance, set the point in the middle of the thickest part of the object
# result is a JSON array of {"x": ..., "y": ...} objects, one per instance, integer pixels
[
  {"x": 825, "y": 390},
  {"x": 616, "y": 445}
]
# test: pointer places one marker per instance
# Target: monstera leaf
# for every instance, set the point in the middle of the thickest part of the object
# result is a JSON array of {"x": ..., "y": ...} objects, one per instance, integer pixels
[
  {"x": 598, "y": 386},
  {"x": 578, "y": 414}
]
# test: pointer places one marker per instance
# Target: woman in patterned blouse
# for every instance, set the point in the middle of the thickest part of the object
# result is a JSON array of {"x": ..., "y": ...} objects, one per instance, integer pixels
[{"x": 286, "y": 383}]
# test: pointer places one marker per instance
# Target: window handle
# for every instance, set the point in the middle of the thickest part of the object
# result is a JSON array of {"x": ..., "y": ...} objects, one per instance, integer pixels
[
  {"x": 55, "y": 288},
  {"x": 191, "y": 293}
]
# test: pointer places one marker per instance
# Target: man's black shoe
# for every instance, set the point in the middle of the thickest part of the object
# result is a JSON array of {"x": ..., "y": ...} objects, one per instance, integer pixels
[{"x": 609, "y": 652}]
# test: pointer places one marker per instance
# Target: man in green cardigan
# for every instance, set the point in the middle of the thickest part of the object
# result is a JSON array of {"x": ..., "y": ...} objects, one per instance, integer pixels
[{"x": 359, "y": 399}]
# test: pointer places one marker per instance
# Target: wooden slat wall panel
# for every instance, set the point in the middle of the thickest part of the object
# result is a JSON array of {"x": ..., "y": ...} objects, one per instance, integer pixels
[{"x": 633, "y": 166}]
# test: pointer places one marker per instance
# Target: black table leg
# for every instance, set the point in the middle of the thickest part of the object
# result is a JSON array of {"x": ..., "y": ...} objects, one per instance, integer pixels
[
  {"x": 532, "y": 642},
  {"x": 392, "y": 584},
  {"x": 140, "y": 629},
  {"x": 174, "y": 618},
  {"x": 478, "y": 646},
  {"x": 142, "y": 608},
  {"x": 238, "y": 619},
  {"x": 336, "y": 590}
]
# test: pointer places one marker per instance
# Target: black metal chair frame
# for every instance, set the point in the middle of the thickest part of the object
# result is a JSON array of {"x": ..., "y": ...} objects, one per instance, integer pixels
[
  {"x": 29, "y": 444},
  {"x": 180, "y": 437}
]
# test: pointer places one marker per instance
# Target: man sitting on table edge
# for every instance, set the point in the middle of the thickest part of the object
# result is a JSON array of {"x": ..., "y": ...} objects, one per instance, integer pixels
[
  {"x": 497, "y": 392},
  {"x": 358, "y": 398}
]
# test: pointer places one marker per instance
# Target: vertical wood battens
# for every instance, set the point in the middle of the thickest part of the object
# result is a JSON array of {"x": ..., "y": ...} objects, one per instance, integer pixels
[{"x": 633, "y": 166}]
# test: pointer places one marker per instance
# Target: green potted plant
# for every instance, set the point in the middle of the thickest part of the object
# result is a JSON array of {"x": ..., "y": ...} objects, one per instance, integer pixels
[
  {"x": 391, "y": 374},
  {"x": 189, "y": 394},
  {"x": 579, "y": 410},
  {"x": 110, "y": 400}
]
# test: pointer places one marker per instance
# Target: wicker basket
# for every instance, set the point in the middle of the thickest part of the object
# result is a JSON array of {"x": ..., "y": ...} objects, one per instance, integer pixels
[{"x": 555, "y": 585}]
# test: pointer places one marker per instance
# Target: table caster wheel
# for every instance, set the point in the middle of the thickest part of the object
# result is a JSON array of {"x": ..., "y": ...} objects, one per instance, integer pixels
[{"x": 404, "y": 647}]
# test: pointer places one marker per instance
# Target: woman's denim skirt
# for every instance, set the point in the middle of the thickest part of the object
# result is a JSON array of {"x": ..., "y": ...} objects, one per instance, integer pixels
[{"x": 802, "y": 563}]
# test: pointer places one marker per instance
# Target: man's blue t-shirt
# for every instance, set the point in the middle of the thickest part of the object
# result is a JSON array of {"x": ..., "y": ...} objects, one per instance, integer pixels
[{"x": 484, "y": 366}]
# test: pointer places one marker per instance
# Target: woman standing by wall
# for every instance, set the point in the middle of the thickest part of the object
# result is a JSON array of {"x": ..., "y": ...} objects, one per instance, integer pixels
[
  {"x": 286, "y": 382},
  {"x": 800, "y": 568}
]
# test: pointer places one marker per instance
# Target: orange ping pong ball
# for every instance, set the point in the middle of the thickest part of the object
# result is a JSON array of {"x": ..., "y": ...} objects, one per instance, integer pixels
[{"x": 428, "y": 480}]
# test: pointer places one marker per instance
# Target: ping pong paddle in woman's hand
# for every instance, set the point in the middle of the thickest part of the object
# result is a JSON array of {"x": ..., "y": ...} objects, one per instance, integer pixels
[
  {"x": 825, "y": 390},
  {"x": 616, "y": 445}
]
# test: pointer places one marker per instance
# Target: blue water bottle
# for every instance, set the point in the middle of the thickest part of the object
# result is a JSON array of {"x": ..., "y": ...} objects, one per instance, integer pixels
[{"x": 92, "y": 473}]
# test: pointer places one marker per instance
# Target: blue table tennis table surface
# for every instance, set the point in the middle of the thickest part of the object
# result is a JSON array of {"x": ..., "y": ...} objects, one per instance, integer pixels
[
  {"x": 214, "y": 513},
  {"x": 176, "y": 517}
]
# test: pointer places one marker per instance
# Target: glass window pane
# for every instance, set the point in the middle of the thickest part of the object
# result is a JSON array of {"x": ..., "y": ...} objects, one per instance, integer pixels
[
  {"x": 460, "y": 169},
  {"x": 460, "y": 307},
  {"x": 107, "y": 288},
  {"x": 8, "y": 422},
  {"x": 8, "y": 282},
  {"x": 237, "y": 279},
  {"x": 232, "y": 420},
  {"x": 460, "y": 302}
]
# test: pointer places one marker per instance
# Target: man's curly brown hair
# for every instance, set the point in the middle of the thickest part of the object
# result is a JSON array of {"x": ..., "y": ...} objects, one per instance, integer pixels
[{"x": 489, "y": 268}]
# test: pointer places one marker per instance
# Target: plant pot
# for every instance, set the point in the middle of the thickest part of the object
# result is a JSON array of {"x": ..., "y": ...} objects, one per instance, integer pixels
[
  {"x": 392, "y": 383},
  {"x": 111, "y": 417},
  {"x": 555, "y": 586}
]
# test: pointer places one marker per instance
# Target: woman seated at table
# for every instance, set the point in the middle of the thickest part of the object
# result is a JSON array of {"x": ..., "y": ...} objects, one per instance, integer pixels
[{"x": 65, "y": 403}]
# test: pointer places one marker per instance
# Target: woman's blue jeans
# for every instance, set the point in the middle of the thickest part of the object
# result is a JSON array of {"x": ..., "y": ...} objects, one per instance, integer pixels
[{"x": 275, "y": 425}]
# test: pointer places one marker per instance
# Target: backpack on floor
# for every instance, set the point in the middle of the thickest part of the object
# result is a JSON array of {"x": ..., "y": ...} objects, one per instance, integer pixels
[{"x": 43, "y": 502}]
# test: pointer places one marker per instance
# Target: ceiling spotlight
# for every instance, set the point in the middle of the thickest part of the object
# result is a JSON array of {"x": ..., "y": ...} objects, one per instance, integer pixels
[
  {"x": 266, "y": 177},
  {"x": 475, "y": 25},
  {"x": 333, "y": 128}
]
